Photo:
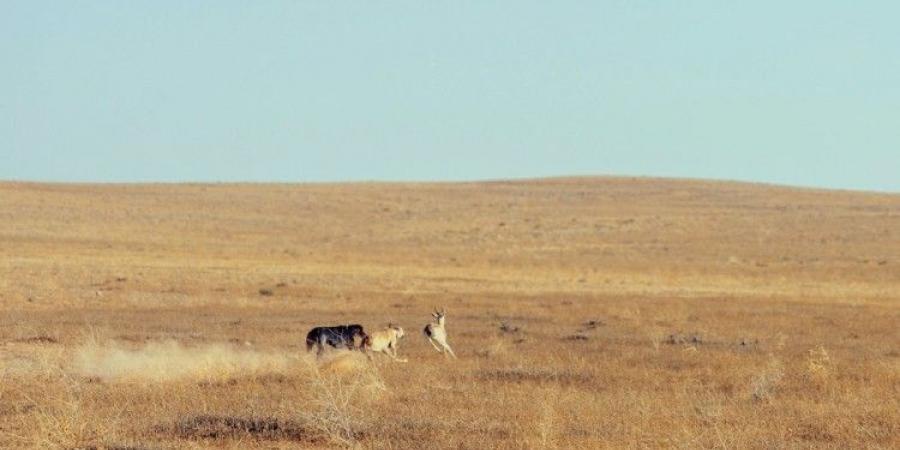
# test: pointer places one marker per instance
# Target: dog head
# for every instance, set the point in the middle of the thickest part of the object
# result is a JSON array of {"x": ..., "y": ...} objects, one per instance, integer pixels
[{"x": 398, "y": 330}]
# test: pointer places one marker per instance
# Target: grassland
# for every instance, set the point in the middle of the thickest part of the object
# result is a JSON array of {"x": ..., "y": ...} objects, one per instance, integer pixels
[{"x": 586, "y": 313}]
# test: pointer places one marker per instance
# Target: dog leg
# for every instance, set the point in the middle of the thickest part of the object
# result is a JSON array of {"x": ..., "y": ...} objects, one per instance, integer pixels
[
  {"x": 394, "y": 356},
  {"x": 392, "y": 352}
]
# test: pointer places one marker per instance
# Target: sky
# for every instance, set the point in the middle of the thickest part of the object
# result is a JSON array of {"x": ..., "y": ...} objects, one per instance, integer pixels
[{"x": 801, "y": 93}]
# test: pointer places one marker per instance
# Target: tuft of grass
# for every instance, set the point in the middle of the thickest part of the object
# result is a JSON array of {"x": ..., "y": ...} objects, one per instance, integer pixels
[
  {"x": 764, "y": 384},
  {"x": 819, "y": 367}
]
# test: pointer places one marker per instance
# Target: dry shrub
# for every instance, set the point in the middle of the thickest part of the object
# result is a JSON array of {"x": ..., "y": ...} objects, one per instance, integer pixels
[
  {"x": 763, "y": 385},
  {"x": 819, "y": 367},
  {"x": 62, "y": 415},
  {"x": 706, "y": 406},
  {"x": 706, "y": 412},
  {"x": 64, "y": 420},
  {"x": 341, "y": 393}
]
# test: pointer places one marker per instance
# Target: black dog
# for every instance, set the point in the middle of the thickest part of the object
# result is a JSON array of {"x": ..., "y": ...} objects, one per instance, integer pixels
[{"x": 350, "y": 336}]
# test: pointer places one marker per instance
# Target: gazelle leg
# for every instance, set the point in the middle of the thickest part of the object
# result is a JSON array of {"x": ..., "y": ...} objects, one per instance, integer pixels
[
  {"x": 447, "y": 346},
  {"x": 431, "y": 341}
]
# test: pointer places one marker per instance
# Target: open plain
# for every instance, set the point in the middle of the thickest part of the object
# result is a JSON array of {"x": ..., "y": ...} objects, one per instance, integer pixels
[{"x": 585, "y": 313}]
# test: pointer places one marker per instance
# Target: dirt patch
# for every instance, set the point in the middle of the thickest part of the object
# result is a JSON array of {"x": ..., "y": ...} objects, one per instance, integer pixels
[
  {"x": 230, "y": 427},
  {"x": 575, "y": 337},
  {"x": 534, "y": 375},
  {"x": 37, "y": 340}
]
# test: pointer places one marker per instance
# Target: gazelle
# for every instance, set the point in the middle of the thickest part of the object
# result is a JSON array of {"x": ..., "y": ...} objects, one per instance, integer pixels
[{"x": 436, "y": 333}]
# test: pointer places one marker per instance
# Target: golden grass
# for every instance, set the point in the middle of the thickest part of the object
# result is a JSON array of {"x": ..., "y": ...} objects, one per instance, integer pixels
[{"x": 586, "y": 313}]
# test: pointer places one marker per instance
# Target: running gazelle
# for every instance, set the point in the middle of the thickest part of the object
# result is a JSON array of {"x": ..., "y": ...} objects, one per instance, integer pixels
[{"x": 436, "y": 333}]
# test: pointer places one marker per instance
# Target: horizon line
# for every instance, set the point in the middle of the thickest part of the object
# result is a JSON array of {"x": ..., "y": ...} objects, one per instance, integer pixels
[{"x": 524, "y": 179}]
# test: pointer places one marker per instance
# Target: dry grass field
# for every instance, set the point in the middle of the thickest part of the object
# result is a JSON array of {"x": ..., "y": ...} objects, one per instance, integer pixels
[{"x": 586, "y": 313}]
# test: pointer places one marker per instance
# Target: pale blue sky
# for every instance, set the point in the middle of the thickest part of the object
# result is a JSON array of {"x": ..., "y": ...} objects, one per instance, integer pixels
[{"x": 800, "y": 92}]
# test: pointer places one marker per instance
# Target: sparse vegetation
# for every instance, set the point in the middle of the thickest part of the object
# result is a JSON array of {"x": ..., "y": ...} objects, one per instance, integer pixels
[{"x": 601, "y": 313}]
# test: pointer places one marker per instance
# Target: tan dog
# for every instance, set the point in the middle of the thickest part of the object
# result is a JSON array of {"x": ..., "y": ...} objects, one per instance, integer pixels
[{"x": 384, "y": 341}]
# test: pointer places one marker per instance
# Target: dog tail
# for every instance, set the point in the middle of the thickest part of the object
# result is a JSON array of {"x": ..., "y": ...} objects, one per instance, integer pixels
[
  {"x": 366, "y": 343},
  {"x": 311, "y": 339}
]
